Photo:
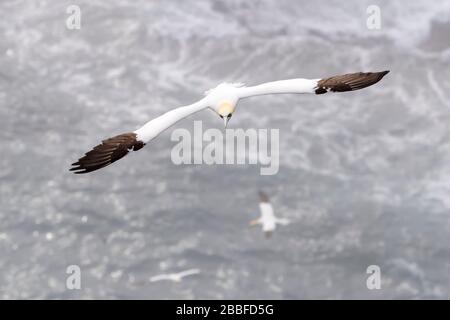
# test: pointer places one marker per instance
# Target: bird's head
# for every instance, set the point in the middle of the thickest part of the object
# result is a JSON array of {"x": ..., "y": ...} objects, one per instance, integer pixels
[{"x": 225, "y": 110}]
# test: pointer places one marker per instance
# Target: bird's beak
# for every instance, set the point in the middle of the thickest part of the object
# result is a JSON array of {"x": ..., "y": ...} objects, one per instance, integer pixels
[{"x": 225, "y": 121}]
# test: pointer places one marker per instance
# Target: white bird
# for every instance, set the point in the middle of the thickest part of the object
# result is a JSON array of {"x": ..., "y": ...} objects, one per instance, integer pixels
[
  {"x": 176, "y": 277},
  {"x": 267, "y": 220},
  {"x": 222, "y": 100}
]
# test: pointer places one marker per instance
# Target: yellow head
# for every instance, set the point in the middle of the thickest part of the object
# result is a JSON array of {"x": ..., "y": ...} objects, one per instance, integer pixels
[{"x": 225, "y": 111}]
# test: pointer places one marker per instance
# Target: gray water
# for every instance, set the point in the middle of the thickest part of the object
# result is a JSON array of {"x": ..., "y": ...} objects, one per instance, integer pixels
[{"x": 364, "y": 176}]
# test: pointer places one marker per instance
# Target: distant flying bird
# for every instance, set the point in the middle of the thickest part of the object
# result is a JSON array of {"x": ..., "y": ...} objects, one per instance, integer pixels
[
  {"x": 222, "y": 100},
  {"x": 267, "y": 220},
  {"x": 176, "y": 277}
]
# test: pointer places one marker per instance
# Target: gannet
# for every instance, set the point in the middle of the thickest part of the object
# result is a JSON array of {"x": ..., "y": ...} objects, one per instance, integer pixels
[
  {"x": 222, "y": 100},
  {"x": 267, "y": 220},
  {"x": 176, "y": 277}
]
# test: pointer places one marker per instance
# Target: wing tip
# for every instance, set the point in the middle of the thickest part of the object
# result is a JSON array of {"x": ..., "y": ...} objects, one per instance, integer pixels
[
  {"x": 109, "y": 151},
  {"x": 349, "y": 82},
  {"x": 383, "y": 73}
]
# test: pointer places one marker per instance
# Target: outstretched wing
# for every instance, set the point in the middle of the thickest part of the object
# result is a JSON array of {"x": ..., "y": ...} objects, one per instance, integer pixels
[
  {"x": 283, "y": 221},
  {"x": 115, "y": 148},
  {"x": 188, "y": 272},
  {"x": 160, "y": 277},
  {"x": 341, "y": 83}
]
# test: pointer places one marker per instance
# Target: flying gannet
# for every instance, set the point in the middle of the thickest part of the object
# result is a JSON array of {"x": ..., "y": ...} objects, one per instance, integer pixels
[
  {"x": 222, "y": 100},
  {"x": 267, "y": 220},
  {"x": 176, "y": 277}
]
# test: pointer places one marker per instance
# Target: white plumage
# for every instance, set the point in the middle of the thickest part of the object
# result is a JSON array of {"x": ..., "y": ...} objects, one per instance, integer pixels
[
  {"x": 176, "y": 277},
  {"x": 225, "y": 93},
  {"x": 267, "y": 219},
  {"x": 222, "y": 100}
]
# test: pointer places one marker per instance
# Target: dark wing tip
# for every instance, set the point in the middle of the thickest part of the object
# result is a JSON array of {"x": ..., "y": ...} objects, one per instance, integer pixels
[
  {"x": 109, "y": 151},
  {"x": 349, "y": 82},
  {"x": 381, "y": 74}
]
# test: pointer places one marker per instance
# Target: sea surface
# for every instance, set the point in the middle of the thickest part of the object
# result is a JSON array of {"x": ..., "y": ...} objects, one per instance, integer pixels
[{"x": 364, "y": 176}]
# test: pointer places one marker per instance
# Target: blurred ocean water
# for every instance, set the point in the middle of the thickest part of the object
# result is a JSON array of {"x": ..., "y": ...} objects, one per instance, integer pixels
[{"x": 365, "y": 176}]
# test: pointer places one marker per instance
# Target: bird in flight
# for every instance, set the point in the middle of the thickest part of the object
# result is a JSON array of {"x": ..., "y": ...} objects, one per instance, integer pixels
[
  {"x": 222, "y": 100},
  {"x": 175, "y": 277},
  {"x": 267, "y": 220}
]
